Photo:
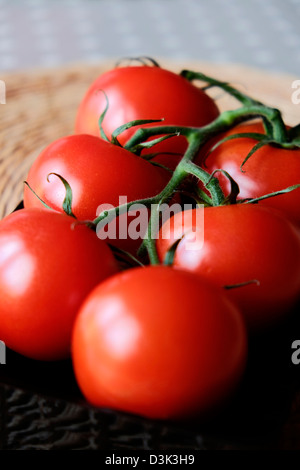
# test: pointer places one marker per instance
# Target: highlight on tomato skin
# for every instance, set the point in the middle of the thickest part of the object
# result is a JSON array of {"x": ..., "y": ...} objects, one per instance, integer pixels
[
  {"x": 143, "y": 92},
  {"x": 47, "y": 268},
  {"x": 158, "y": 342},
  {"x": 253, "y": 247},
  {"x": 98, "y": 173}
]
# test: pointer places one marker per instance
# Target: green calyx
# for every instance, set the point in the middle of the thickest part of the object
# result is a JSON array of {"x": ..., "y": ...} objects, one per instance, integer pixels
[
  {"x": 153, "y": 131},
  {"x": 275, "y": 134}
]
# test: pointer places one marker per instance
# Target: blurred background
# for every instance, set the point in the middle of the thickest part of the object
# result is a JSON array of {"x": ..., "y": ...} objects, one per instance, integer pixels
[{"x": 46, "y": 33}]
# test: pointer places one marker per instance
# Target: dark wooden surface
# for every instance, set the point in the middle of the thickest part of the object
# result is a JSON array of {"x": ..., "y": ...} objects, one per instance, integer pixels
[{"x": 41, "y": 407}]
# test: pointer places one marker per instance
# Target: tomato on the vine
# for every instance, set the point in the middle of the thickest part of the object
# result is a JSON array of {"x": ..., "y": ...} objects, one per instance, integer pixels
[
  {"x": 143, "y": 92},
  {"x": 98, "y": 173},
  {"x": 48, "y": 266},
  {"x": 269, "y": 169},
  {"x": 251, "y": 248},
  {"x": 158, "y": 342}
]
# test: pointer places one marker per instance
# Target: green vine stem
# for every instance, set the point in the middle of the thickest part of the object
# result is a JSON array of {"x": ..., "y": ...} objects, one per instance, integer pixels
[
  {"x": 273, "y": 122},
  {"x": 276, "y": 133},
  {"x": 142, "y": 60}
]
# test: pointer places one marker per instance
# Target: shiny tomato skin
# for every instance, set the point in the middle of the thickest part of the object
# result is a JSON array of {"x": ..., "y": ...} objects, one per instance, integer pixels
[
  {"x": 142, "y": 92},
  {"x": 243, "y": 243},
  {"x": 158, "y": 342},
  {"x": 98, "y": 173},
  {"x": 268, "y": 170},
  {"x": 47, "y": 268}
]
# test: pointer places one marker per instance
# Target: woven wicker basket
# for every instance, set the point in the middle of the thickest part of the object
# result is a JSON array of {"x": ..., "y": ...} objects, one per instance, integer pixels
[
  {"x": 41, "y": 106},
  {"x": 40, "y": 407}
]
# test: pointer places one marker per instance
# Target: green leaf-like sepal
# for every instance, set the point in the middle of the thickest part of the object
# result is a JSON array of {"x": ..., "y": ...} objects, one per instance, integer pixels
[{"x": 67, "y": 203}]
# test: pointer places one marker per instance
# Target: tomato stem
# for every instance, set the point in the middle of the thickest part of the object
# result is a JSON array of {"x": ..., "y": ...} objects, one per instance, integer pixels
[
  {"x": 275, "y": 132},
  {"x": 143, "y": 60},
  {"x": 150, "y": 242},
  {"x": 241, "y": 97},
  {"x": 67, "y": 203},
  {"x": 267, "y": 196},
  {"x": 272, "y": 119}
]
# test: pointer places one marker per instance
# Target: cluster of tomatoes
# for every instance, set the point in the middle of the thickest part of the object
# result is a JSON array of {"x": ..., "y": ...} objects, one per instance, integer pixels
[{"x": 162, "y": 340}]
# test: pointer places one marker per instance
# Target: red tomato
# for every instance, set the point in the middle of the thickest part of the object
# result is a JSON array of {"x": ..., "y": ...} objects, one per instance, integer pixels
[
  {"x": 47, "y": 268},
  {"x": 268, "y": 170},
  {"x": 142, "y": 92},
  {"x": 98, "y": 173},
  {"x": 158, "y": 342},
  {"x": 242, "y": 243}
]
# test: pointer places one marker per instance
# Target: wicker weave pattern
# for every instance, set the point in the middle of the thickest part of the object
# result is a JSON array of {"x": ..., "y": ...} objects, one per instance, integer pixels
[{"x": 41, "y": 106}]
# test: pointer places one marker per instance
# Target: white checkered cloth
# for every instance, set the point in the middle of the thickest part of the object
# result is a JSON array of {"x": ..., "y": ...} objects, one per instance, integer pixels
[{"x": 41, "y": 33}]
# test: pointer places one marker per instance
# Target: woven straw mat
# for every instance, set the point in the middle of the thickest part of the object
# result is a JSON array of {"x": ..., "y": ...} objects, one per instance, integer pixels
[{"x": 41, "y": 107}]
